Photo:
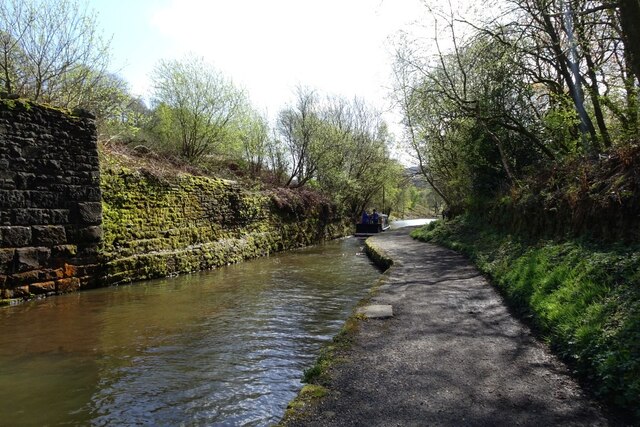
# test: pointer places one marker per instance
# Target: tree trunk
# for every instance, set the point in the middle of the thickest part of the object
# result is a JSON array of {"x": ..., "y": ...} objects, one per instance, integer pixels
[
  {"x": 503, "y": 156},
  {"x": 629, "y": 19},
  {"x": 566, "y": 67}
]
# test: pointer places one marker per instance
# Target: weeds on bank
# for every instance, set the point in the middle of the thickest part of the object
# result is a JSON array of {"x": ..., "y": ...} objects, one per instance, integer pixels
[
  {"x": 582, "y": 297},
  {"x": 317, "y": 377}
]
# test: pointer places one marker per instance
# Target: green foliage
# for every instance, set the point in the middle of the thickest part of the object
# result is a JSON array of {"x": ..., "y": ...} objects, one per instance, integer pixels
[
  {"x": 307, "y": 396},
  {"x": 52, "y": 52},
  {"x": 198, "y": 110},
  {"x": 505, "y": 100},
  {"x": 254, "y": 135},
  {"x": 339, "y": 147},
  {"x": 582, "y": 297}
]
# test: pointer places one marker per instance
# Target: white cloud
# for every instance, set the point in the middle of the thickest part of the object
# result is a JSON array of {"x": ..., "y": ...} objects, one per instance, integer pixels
[{"x": 269, "y": 47}]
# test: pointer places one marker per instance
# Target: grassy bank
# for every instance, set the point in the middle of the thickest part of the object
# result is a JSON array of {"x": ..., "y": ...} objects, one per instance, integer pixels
[{"x": 582, "y": 297}]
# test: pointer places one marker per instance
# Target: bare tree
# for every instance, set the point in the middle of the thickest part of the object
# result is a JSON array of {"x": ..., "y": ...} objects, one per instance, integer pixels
[
  {"x": 51, "y": 51},
  {"x": 299, "y": 127}
]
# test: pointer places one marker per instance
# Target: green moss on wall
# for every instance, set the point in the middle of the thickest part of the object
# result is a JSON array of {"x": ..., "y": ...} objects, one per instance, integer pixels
[{"x": 155, "y": 226}]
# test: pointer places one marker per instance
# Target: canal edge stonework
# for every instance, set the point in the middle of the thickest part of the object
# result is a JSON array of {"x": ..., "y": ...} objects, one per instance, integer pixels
[
  {"x": 50, "y": 202},
  {"x": 158, "y": 225},
  {"x": 73, "y": 216}
]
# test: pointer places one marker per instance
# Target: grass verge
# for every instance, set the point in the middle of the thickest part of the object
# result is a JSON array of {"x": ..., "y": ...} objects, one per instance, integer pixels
[{"x": 582, "y": 297}]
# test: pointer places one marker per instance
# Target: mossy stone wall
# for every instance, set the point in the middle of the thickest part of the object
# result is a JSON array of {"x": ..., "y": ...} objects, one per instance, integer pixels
[
  {"x": 73, "y": 217},
  {"x": 156, "y": 226}
]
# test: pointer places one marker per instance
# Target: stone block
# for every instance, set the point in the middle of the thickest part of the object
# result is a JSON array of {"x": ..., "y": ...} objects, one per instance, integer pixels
[
  {"x": 20, "y": 292},
  {"x": 58, "y": 216},
  {"x": 70, "y": 284},
  {"x": 6, "y": 293},
  {"x": 89, "y": 235},
  {"x": 27, "y": 259},
  {"x": 44, "y": 182},
  {"x": 90, "y": 212},
  {"x": 7, "y": 184},
  {"x": 5, "y": 218},
  {"x": 8, "y": 175},
  {"x": 46, "y": 199},
  {"x": 64, "y": 251},
  {"x": 83, "y": 193},
  {"x": 15, "y": 236},
  {"x": 24, "y": 180},
  {"x": 48, "y": 235},
  {"x": 89, "y": 253},
  {"x": 6, "y": 260},
  {"x": 42, "y": 287},
  {"x": 21, "y": 279},
  {"x": 50, "y": 275},
  {"x": 87, "y": 270},
  {"x": 376, "y": 311},
  {"x": 41, "y": 216},
  {"x": 44, "y": 255},
  {"x": 29, "y": 216},
  {"x": 70, "y": 270}
]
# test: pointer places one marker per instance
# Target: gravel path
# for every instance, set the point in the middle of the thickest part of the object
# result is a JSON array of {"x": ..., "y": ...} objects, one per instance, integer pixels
[{"x": 452, "y": 355}]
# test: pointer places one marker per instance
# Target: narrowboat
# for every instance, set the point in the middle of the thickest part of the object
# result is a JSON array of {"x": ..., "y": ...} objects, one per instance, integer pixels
[{"x": 370, "y": 228}]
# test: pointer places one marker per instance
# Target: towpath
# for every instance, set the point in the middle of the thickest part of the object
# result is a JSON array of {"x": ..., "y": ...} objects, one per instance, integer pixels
[{"x": 451, "y": 355}]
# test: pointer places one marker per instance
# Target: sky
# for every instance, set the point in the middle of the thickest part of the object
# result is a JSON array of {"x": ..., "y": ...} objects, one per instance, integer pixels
[{"x": 267, "y": 47}]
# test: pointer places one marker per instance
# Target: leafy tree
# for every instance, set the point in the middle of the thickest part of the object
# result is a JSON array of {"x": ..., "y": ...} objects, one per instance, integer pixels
[
  {"x": 337, "y": 146},
  {"x": 254, "y": 135},
  {"x": 536, "y": 83},
  {"x": 276, "y": 158},
  {"x": 358, "y": 170},
  {"x": 199, "y": 107},
  {"x": 51, "y": 51},
  {"x": 122, "y": 117}
]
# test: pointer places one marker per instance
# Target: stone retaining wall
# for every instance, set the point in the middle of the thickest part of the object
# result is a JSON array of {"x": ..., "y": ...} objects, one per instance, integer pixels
[
  {"x": 50, "y": 201},
  {"x": 156, "y": 226},
  {"x": 58, "y": 193}
]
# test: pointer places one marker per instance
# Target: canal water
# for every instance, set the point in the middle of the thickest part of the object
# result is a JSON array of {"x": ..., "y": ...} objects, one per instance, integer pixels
[{"x": 224, "y": 347}]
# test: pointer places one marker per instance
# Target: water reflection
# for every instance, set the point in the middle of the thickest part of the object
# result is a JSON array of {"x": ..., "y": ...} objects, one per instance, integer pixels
[{"x": 227, "y": 346}]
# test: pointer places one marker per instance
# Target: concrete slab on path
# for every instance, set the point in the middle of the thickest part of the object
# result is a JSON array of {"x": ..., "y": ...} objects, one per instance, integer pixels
[
  {"x": 452, "y": 355},
  {"x": 377, "y": 311}
]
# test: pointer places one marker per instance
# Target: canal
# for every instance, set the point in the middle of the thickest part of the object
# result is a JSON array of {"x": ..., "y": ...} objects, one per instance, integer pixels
[{"x": 223, "y": 347}]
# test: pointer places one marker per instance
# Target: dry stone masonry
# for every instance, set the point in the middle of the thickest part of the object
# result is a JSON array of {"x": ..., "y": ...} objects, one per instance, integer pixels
[
  {"x": 50, "y": 202},
  {"x": 157, "y": 226},
  {"x": 56, "y": 197}
]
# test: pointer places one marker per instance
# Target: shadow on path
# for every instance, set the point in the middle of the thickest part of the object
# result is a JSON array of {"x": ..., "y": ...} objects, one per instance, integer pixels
[{"x": 452, "y": 355}]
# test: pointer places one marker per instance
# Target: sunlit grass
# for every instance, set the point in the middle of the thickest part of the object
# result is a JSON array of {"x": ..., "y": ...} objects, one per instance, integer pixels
[{"x": 583, "y": 299}]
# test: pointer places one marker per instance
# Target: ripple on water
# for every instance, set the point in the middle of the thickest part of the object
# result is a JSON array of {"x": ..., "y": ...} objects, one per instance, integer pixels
[{"x": 222, "y": 347}]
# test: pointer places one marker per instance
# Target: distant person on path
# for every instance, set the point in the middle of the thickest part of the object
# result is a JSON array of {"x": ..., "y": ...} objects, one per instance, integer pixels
[
  {"x": 365, "y": 217},
  {"x": 375, "y": 217}
]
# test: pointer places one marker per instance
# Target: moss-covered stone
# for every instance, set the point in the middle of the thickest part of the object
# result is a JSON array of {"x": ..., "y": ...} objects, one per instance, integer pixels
[{"x": 156, "y": 226}]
